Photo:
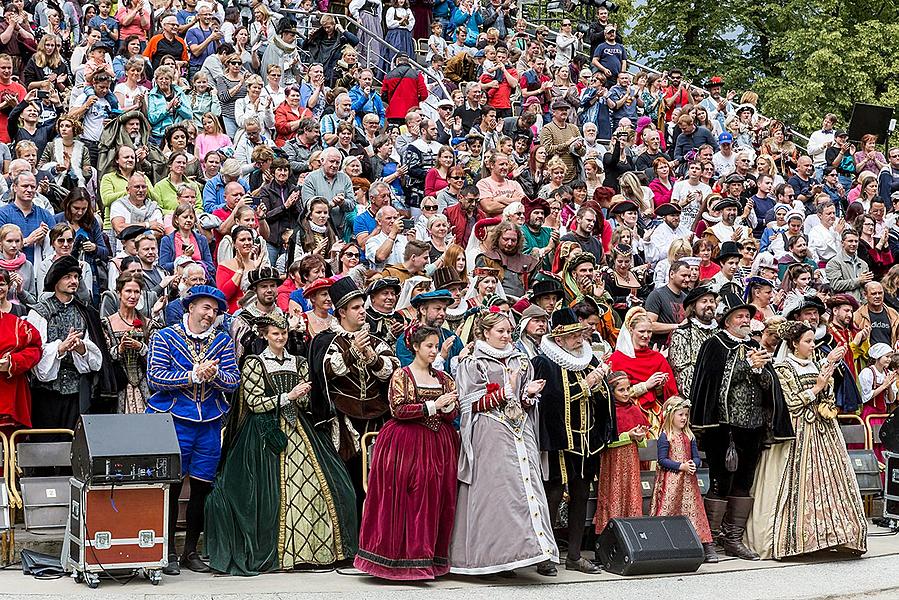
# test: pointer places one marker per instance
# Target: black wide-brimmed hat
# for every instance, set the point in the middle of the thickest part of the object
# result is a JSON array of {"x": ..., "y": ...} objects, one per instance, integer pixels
[
  {"x": 729, "y": 250},
  {"x": 729, "y": 303},
  {"x": 545, "y": 287},
  {"x": 383, "y": 283},
  {"x": 343, "y": 290},
  {"x": 563, "y": 321},
  {"x": 696, "y": 293},
  {"x": 60, "y": 268},
  {"x": 264, "y": 273}
]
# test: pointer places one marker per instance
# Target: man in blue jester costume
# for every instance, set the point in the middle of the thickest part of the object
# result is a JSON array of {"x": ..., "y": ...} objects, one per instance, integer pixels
[{"x": 191, "y": 370}]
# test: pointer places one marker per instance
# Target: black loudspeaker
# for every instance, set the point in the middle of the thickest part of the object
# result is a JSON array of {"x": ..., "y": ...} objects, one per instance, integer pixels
[
  {"x": 867, "y": 118},
  {"x": 650, "y": 545},
  {"x": 122, "y": 449}
]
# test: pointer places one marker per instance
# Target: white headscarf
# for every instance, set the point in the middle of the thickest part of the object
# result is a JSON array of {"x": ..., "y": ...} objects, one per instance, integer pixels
[
  {"x": 405, "y": 300},
  {"x": 625, "y": 342}
]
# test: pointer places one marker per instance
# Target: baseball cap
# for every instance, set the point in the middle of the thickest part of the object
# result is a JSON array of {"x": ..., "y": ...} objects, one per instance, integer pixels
[
  {"x": 446, "y": 103},
  {"x": 726, "y": 138}
]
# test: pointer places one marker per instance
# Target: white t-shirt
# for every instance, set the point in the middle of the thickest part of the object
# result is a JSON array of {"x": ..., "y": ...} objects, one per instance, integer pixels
[
  {"x": 683, "y": 187},
  {"x": 130, "y": 95},
  {"x": 94, "y": 118}
]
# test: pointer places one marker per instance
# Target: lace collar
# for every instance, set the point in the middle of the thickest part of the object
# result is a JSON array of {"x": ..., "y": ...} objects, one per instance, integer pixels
[
  {"x": 196, "y": 336},
  {"x": 802, "y": 362},
  {"x": 336, "y": 328},
  {"x": 742, "y": 340},
  {"x": 497, "y": 353},
  {"x": 267, "y": 354},
  {"x": 702, "y": 325},
  {"x": 565, "y": 359},
  {"x": 323, "y": 229}
]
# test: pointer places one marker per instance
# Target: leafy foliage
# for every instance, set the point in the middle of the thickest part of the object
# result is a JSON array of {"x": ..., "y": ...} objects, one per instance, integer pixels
[{"x": 804, "y": 58}]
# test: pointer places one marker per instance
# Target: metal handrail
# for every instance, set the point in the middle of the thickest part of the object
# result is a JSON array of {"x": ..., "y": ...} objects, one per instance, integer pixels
[{"x": 374, "y": 64}]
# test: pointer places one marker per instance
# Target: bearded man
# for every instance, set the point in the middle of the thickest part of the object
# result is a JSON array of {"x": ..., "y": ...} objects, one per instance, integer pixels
[{"x": 737, "y": 404}]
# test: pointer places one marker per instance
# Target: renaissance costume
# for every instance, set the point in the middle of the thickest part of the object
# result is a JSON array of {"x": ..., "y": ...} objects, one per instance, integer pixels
[
  {"x": 686, "y": 341},
  {"x": 640, "y": 364},
  {"x": 198, "y": 408},
  {"x": 67, "y": 385},
  {"x": 819, "y": 505},
  {"x": 736, "y": 408},
  {"x": 619, "y": 493},
  {"x": 576, "y": 422},
  {"x": 408, "y": 518},
  {"x": 283, "y": 497},
  {"x": 20, "y": 344},
  {"x": 500, "y": 496},
  {"x": 349, "y": 391}
]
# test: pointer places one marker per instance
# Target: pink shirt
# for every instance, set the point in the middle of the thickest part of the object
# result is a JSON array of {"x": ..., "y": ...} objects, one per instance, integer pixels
[
  {"x": 207, "y": 143},
  {"x": 507, "y": 192}
]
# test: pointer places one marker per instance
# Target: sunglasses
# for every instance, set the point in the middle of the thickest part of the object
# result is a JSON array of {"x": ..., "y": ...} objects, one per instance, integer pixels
[
  {"x": 235, "y": 62},
  {"x": 351, "y": 254},
  {"x": 429, "y": 207}
]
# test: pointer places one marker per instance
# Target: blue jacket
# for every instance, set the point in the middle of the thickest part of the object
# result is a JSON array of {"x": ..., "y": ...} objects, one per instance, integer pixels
[
  {"x": 363, "y": 105},
  {"x": 214, "y": 192},
  {"x": 167, "y": 254},
  {"x": 406, "y": 357},
  {"x": 170, "y": 362},
  {"x": 160, "y": 117},
  {"x": 472, "y": 23}
]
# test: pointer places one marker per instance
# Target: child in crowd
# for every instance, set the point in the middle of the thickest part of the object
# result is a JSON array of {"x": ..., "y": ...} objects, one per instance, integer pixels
[
  {"x": 619, "y": 492},
  {"x": 676, "y": 489},
  {"x": 202, "y": 98},
  {"x": 436, "y": 43}
]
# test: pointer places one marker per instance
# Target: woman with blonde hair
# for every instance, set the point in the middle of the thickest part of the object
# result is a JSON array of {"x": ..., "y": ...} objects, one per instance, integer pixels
[
  {"x": 648, "y": 370},
  {"x": 555, "y": 169},
  {"x": 22, "y": 285},
  {"x": 631, "y": 188},
  {"x": 678, "y": 250},
  {"x": 499, "y": 464},
  {"x": 781, "y": 150},
  {"x": 47, "y": 70},
  {"x": 212, "y": 137}
]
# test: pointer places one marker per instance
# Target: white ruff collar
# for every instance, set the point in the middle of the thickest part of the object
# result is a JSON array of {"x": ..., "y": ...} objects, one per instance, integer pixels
[
  {"x": 196, "y": 336},
  {"x": 702, "y": 325},
  {"x": 565, "y": 359},
  {"x": 497, "y": 353}
]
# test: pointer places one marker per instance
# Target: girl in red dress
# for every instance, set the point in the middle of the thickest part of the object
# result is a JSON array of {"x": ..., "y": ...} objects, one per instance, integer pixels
[
  {"x": 407, "y": 519},
  {"x": 619, "y": 492},
  {"x": 676, "y": 489}
]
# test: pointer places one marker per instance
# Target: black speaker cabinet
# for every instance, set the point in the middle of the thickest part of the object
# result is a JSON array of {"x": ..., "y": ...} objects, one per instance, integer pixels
[
  {"x": 868, "y": 118},
  {"x": 650, "y": 545}
]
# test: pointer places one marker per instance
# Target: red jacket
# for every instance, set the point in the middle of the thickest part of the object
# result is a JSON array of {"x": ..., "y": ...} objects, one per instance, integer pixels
[
  {"x": 460, "y": 227},
  {"x": 284, "y": 115},
  {"x": 403, "y": 88}
]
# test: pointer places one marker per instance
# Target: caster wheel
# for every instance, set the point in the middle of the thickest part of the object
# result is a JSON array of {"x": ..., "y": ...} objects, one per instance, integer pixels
[
  {"x": 79, "y": 577},
  {"x": 155, "y": 577},
  {"x": 93, "y": 580},
  {"x": 93, "y": 584}
]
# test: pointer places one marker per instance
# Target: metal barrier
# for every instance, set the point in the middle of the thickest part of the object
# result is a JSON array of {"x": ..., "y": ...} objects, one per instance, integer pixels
[
  {"x": 374, "y": 62},
  {"x": 854, "y": 422},
  {"x": 18, "y": 493}
]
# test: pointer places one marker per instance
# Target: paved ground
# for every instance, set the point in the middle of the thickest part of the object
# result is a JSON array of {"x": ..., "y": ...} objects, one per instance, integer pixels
[{"x": 874, "y": 577}]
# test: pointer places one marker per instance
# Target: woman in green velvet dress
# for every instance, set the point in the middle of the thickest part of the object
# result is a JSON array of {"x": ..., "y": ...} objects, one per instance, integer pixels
[{"x": 282, "y": 498}]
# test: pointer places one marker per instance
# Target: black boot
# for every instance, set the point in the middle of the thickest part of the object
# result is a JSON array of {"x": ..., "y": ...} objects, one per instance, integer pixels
[
  {"x": 714, "y": 511},
  {"x": 734, "y": 525},
  {"x": 710, "y": 555}
]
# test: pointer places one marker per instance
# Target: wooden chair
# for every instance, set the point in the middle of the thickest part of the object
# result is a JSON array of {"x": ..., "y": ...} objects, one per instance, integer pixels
[
  {"x": 6, "y": 520},
  {"x": 368, "y": 447}
]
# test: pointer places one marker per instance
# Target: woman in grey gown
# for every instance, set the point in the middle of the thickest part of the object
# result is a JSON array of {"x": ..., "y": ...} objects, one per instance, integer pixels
[
  {"x": 502, "y": 516},
  {"x": 368, "y": 12}
]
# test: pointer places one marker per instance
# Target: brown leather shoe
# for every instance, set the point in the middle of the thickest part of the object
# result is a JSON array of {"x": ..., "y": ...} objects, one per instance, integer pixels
[{"x": 583, "y": 565}]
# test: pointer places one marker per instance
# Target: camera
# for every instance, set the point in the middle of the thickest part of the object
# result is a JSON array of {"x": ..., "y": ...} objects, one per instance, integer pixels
[
  {"x": 43, "y": 94},
  {"x": 76, "y": 247},
  {"x": 581, "y": 28},
  {"x": 608, "y": 4},
  {"x": 408, "y": 224}
]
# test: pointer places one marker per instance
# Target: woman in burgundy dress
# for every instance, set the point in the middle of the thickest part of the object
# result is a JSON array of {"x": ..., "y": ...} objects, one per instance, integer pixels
[{"x": 407, "y": 521}]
